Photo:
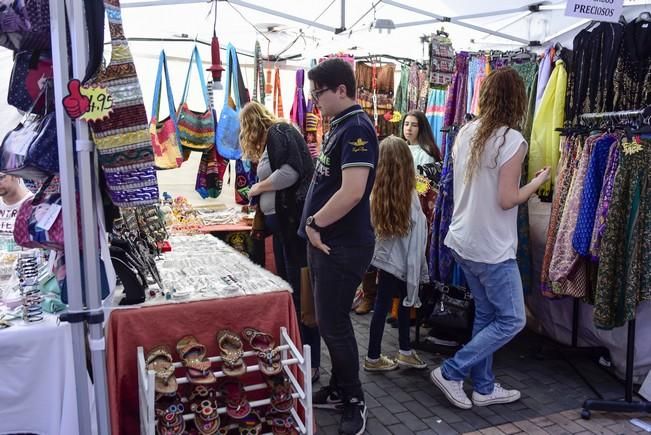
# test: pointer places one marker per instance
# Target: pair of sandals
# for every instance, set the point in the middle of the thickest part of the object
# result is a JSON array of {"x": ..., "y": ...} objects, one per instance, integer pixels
[
  {"x": 232, "y": 352},
  {"x": 282, "y": 424},
  {"x": 192, "y": 353},
  {"x": 170, "y": 410}
]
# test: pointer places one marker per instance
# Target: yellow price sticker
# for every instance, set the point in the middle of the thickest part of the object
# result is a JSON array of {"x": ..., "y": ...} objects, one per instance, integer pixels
[{"x": 100, "y": 103}]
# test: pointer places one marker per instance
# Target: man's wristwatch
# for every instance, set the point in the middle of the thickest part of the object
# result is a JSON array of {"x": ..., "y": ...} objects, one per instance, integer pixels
[{"x": 311, "y": 222}]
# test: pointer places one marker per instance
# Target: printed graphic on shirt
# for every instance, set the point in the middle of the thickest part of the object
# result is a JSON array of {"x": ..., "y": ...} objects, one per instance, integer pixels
[
  {"x": 359, "y": 145},
  {"x": 323, "y": 165},
  {"x": 7, "y": 219}
]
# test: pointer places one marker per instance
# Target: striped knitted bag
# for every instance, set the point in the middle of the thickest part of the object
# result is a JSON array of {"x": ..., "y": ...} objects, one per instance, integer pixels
[
  {"x": 123, "y": 142},
  {"x": 196, "y": 129}
]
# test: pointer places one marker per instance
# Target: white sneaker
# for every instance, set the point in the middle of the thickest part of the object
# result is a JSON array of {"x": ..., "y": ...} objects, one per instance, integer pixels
[
  {"x": 453, "y": 390},
  {"x": 498, "y": 396}
]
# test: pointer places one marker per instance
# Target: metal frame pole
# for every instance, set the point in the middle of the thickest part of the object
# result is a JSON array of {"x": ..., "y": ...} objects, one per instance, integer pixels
[
  {"x": 84, "y": 148},
  {"x": 69, "y": 210},
  {"x": 244, "y": 4},
  {"x": 455, "y": 21}
]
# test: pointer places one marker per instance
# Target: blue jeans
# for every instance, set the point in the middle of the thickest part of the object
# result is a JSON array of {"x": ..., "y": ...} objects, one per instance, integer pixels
[
  {"x": 387, "y": 287},
  {"x": 499, "y": 316}
]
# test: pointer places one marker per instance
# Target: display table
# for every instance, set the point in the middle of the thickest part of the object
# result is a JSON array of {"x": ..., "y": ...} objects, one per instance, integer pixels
[
  {"x": 166, "y": 324},
  {"x": 37, "y": 380}
]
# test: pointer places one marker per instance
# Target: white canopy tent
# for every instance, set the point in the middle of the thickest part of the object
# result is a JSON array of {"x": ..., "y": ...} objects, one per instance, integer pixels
[{"x": 309, "y": 29}]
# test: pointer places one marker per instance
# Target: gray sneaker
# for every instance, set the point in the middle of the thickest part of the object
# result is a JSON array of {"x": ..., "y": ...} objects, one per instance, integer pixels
[
  {"x": 453, "y": 390},
  {"x": 411, "y": 361}
]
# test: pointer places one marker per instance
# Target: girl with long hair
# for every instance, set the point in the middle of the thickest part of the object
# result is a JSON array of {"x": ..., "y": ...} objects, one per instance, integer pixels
[
  {"x": 285, "y": 170},
  {"x": 401, "y": 232},
  {"x": 418, "y": 134},
  {"x": 488, "y": 154}
]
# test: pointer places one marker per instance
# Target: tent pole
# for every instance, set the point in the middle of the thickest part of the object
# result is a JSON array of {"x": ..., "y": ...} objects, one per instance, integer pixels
[
  {"x": 455, "y": 21},
  {"x": 242, "y": 3},
  {"x": 68, "y": 201},
  {"x": 85, "y": 148}
]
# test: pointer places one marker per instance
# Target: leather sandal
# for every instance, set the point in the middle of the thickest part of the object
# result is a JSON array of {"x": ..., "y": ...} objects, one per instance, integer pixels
[
  {"x": 282, "y": 424},
  {"x": 169, "y": 411},
  {"x": 203, "y": 402},
  {"x": 193, "y": 355},
  {"x": 251, "y": 424},
  {"x": 268, "y": 354},
  {"x": 281, "y": 394},
  {"x": 159, "y": 359},
  {"x": 237, "y": 406},
  {"x": 232, "y": 351}
]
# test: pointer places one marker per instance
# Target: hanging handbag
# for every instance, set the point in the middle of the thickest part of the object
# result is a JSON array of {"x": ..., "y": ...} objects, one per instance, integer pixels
[
  {"x": 278, "y": 96},
  {"x": 245, "y": 177},
  {"x": 30, "y": 73},
  {"x": 31, "y": 150},
  {"x": 228, "y": 127},
  {"x": 212, "y": 167},
  {"x": 29, "y": 20},
  {"x": 123, "y": 141},
  {"x": 453, "y": 314},
  {"x": 39, "y": 223},
  {"x": 164, "y": 133},
  {"x": 196, "y": 129},
  {"x": 299, "y": 108}
]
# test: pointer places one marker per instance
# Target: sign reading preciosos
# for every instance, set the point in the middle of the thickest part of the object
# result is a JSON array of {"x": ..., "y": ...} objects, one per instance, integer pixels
[{"x": 599, "y": 10}]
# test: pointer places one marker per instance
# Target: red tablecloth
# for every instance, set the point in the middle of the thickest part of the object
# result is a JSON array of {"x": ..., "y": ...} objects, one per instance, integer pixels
[{"x": 166, "y": 324}]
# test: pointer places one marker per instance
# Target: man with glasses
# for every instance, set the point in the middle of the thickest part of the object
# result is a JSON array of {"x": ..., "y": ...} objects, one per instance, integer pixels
[
  {"x": 12, "y": 194},
  {"x": 337, "y": 222}
]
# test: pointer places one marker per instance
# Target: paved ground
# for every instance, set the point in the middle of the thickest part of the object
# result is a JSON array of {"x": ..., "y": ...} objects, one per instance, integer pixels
[{"x": 403, "y": 402}]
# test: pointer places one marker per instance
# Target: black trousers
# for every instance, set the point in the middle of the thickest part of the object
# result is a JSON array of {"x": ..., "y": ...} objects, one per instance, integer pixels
[{"x": 335, "y": 279}]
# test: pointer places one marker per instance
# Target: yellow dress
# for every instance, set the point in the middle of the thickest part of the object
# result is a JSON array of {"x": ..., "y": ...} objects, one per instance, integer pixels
[{"x": 544, "y": 149}]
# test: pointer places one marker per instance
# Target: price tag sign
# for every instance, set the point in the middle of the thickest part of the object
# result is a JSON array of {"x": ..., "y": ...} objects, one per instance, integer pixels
[
  {"x": 88, "y": 103},
  {"x": 100, "y": 103},
  {"x": 598, "y": 10}
]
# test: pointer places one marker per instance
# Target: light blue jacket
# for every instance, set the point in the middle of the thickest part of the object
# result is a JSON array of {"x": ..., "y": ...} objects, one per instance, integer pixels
[{"x": 404, "y": 257}]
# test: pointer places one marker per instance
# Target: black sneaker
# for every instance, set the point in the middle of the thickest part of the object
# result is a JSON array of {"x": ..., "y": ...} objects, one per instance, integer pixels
[
  {"x": 353, "y": 422},
  {"x": 327, "y": 398}
]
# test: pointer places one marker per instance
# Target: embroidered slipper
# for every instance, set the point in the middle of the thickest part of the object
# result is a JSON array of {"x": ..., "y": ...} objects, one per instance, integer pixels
[
  {"x": 232, "y": 350},
  {"x": 281, "y": 394},
  {"x": 282, "y": 424},
  {"x": 160, "y": 361},
  {"x": 268, "y": 354},
  {"x": 203, "y": 402},
  {"x": 233, "y": 394},
  {"x": 169, "y": 411},
  {"x": 194, "y": 359},
  {"x": 251, "y": 424}
]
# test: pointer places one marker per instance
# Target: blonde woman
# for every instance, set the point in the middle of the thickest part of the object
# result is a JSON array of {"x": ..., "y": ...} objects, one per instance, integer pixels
[
  {"x": 401, "y": 233},
  {"x": 285, "y": 170}
]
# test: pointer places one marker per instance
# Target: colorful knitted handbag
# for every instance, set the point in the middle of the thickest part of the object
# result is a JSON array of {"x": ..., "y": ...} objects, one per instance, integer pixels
[
  {"x": 228, "y": 128},
  {"x": 212, "y": 167},
  {"x": 164, "y": 133},
  {"x": 123, "y": 141},
  {"x": 196, "y": 129}
]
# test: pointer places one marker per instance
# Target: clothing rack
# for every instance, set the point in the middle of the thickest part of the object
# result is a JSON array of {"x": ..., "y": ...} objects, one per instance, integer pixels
[{"x": 628, "y": 404}]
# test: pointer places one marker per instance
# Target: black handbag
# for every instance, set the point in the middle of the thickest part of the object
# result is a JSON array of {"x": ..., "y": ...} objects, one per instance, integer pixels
[{"x": 453, "y": 314}]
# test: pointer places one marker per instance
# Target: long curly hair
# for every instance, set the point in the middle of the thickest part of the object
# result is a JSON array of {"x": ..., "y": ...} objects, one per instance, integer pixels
[
  {"x": 394, "y": 186},
  {"x": 502, "y": 103},
  {"x": 255, "y": 120}
]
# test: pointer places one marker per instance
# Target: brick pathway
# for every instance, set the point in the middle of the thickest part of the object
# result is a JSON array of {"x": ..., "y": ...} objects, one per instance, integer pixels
[{"x": 405, "y": 402}]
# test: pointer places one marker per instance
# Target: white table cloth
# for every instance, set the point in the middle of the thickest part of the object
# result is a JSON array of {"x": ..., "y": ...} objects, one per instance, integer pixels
[{"x": 37, "y": 379}]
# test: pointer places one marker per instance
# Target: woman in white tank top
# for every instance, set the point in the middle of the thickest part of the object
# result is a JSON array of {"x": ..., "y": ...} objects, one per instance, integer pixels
[{"x": 488, "y": 155}]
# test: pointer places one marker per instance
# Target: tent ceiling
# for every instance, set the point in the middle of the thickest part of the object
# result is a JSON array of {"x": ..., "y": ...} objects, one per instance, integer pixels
[{"x": 312, "y": 23}]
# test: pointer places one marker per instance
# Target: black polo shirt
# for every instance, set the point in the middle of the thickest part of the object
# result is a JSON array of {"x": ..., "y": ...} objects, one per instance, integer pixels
[{"x": 351, "y": 142}]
